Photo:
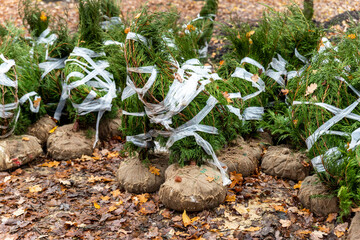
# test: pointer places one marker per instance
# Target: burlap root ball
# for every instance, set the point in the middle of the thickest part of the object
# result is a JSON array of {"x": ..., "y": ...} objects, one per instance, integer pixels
[
  {"x": 110, "y": 128},
  {"x": 134, "y": 176},
  {"x": 283, "y": 162},
  {"x": 354, "y": 230},
  {"x": 241, "y": 156},
  {"x": 18, "y": 150},
  {"x": 192, "y": 188},
  {"x": 315, "y": 196},
  {"x": 66, "y": 144},
  {"x": 41, "y": 129}
]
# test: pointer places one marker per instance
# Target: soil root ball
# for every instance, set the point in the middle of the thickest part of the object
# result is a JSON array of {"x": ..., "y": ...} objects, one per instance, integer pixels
[{"x": 18, "y": 150}]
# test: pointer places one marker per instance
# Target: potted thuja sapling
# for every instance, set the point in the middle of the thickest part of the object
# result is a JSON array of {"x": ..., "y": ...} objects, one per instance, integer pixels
[
  {"x": 145, "y": 84},
  {"x": 88, "y": 86}
]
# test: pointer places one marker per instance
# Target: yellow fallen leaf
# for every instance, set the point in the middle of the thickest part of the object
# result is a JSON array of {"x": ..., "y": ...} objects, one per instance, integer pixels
[
  {"x": 53, "y": 130},
  {"x": 25, "y": 139},
  {"x": 250, "y": 41},
  {"x": 280, "y": 208},
  {"x": 137, "y": 16},
  {"x": 221, "y": 62},
  {"x": 105, "y": 198},
  {"x": 285, "y": 91},
  {"x": 324, "y": 229},
  {"x": 35, "y": 189},
  {"x": 127, "y": 30},
  {"x": 154, "y": 170},
  {"x": 298, "y": 185},
  {"x": 112, "y": 208},
  {"x": 186, "y": 219},
  {"x": 97, "y": 206},
  {"x": 51, "y": 164},
  {"x": 352, "y": 36},
  {"x": 339, "y": 233}
]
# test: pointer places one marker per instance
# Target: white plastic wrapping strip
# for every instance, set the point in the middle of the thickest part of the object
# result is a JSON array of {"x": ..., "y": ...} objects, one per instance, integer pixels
[
  {"x": 110, "y": 22},
  {"x": 94, "y": 70},
  {"x": 26, "y": 97},
  {"x": 110, "y": 42},
  {"x": 51, "y": 64},
  {"x": 317, "y": 162},
  {"x": 44, "y": 38},
  {"x": 136, "y": 37}
]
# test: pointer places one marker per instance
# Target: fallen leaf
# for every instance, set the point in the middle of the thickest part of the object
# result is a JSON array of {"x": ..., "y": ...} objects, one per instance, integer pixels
[
  {"x": 105, "y": 198},
  {"x": 230, "y": 198},
  {"x": 35, "y": 189},
  {"x": 221, "y": 62},
  {"x": 178, "y": 179},
  {"x": 236, "y": 179},
  {"x": 331, "y": 217},
  {"x": 127, "y": 30},
  {"x": 116, "y": 193},
  {"x": 36, "y": 102},
  {"x": 355, "y": 209},
  {"x": 25, "y": 139},
  {"x": 240, "y": 209},
  {"x": 148, "y": 208},
  {"x": 138, "y": 15},
  {"x": 298, "y": 185},
  {"x": 317, "y": 235},
  {"x": 53, "y": 129},
  {"x": 186, "y": 219},
  {"x": 352, "y": 36},
  {"x": 112, "y": 208},
  {"x": 324, "y": 229},
  {"x": 227, "y": 97},
  {"x": 166, "y": 213},
  {"x": 210, "y": 179},
  {"x": 255, "y": 78},
  {"x": 143, "y": 197},
  {"x": 280, "y": 208},
  {"x": 285, "y": 223},
  {"x": 51, "y": 164},
  {"x": 19, "y": 212},
  {"x": 154, "y": 170},
  {"x": 96, "y": 205},
  {"x": 252, "y": 229},
  {"x": 113, "y": 155},
  {"x": 310, "y": 89}
]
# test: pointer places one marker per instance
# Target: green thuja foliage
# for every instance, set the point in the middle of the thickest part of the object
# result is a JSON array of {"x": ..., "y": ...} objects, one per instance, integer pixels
[
  {"x": 33, "y": 16},
  {"x": 276, "y": 33},
  {"x": 342, "y": 175},
  {"x": 110, "y": 8}
]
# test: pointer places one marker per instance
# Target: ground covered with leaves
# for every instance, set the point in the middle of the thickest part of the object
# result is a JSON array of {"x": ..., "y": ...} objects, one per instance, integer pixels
[{"x": 80, "y": 199}]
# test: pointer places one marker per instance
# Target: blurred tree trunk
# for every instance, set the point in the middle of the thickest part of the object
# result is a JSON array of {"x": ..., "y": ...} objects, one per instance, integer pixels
[{"x": 308, "y": 9}]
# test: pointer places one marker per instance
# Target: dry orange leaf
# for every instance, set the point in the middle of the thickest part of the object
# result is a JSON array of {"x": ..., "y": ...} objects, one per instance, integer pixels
[
  {"x": 35, "y": 189},
  {"x": 127, "y": 30},
  {"x": 310, "y": 89},
  {"x": 105, "y": 198},
  {"x": 154, "y": 170},
  {"x": 112, "y": 208},
  {"x": 331, "y": 217},
  {"x": 236, "y": 179},
  {"x": 178, "y": 179},
  {"x": 355, "y": 209},
  {"x": 143, "y": 197},
  {"x": 51, "y": 164},
  {"x": 298, "y": 185},
  {"x": 230, "y": 198},
  {"x": 221, "y": 62},
  {"x": 25, "y": 139},
  {"x": 352, "y": 36},
  {"x": 97, "y": 206},
  {"x": 186, "y": 219},
  {"x": 116, "y": 193},
  {"x": 210, "y": 179},
  {"x": 113, "y": 154},
  {"x": 250, "y": 41},
  {"x": 252, "y": 229},
  {"x": 255, "y": 77},
  {"x": 280, "y": 208},
  {"x": 37, "y": 102},
  {"x": 324, "y": 229},
  {"x": 53, "y": 130}
]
